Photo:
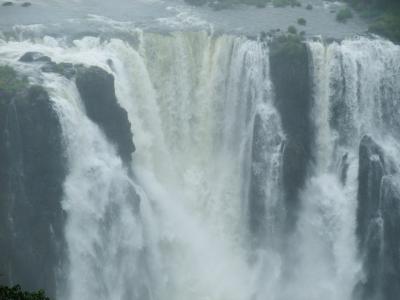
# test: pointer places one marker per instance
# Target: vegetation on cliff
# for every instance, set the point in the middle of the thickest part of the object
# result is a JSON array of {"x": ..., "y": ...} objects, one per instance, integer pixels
[
  {"x": 15, "y": 293},
  {"x": 33, "y": 171},
  {"x": 383, "y": 16},
  {"x": 10, "y": 82},
  {"x": 221, "y": 4}
]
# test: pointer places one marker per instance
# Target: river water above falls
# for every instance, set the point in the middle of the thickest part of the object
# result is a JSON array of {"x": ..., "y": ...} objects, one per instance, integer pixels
[{"x": 256, "y": 175}]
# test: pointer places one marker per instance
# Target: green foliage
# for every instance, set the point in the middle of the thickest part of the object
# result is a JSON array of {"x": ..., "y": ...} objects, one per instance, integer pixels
[
  {"x": 309, "y": 7},
  {"x": 223, "y": 4},
  {"x": 284, "y": 3},
  {"x": 382, "y": 15},
  {"x": 10, "y": 82},
  {"x": 196, "y": 2},
  {"x": 344, "y": 14},
  {"x": 15, "y": 293},
  {"x": 387, "y": 25},
  {"x": 289, "y": 45},
  {"x": 301, "y": 21},
  {"x": 292, "y": 29}
]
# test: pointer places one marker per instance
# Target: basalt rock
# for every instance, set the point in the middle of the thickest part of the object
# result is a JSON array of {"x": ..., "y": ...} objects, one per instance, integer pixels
[
  {"x": 96, "y": 87},
  {"x": 32, "y": 173},
  {"x": 67, "y": 70},
  {"x": 378, "y": 223},
  {"x": 30, "y": 57},
  {"x": 290, "y": 75}
]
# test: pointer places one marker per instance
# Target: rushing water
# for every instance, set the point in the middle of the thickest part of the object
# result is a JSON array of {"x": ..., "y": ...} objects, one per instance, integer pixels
[
  {"x": 192, "y": 99},
  {"x": 166, "y": 15}
]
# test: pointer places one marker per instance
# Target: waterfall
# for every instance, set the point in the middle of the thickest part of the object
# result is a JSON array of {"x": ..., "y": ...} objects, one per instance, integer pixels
[{"x": 200, "y": 211}]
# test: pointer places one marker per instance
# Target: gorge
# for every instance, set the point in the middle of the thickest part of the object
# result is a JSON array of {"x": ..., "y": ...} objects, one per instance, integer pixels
[{"x": 191, "y": 164}]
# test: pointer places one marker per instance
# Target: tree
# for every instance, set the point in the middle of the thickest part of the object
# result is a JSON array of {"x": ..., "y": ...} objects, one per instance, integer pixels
[{"x": 15, "y": 293}]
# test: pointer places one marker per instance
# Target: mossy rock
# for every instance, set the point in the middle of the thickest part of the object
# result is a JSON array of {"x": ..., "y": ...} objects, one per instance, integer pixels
[
  {"x": 10, "y": 81},
  {"x": 67, "y": 70}
]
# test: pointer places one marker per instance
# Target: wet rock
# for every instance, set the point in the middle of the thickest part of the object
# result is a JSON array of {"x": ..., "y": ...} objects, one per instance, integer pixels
[
  {"x": 30, "y": 57},
  {"x": 390, "y": 207},
  {"x": 378, "y": 223},
  {"x": 67, "y": 70},
  {"x": 26, "y": 4},
  {"x": 31, "y": 187},
  {"x": 97, "y": 91},
  {"x": 8, "y": 3},
  {"x": 290, "y": 76}
]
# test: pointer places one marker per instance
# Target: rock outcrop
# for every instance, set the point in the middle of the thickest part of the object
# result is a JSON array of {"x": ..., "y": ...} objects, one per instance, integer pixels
[
  {"x": 96, "y": 87},
  {"x": 289, "y": 65},
  {"x": 378, "y": 223},
  {"x": 97, "y": 91},
  {"x": 32, "y": 173}
]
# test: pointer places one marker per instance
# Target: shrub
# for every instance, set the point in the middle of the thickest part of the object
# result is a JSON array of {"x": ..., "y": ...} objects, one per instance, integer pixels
[
  {"x": 196, "y": 2},
  {"x": 309, "y": 7},
  {"x": 289, "y": 45},
  {"x": 15, "y": 293},
  {"x": 302, "y": 21},
  {"x": 388, "y": 25},
  {"x": 344, "y": 14},
  {"x": 292, "y": 29},
  {"x": 284, "y": 3}
]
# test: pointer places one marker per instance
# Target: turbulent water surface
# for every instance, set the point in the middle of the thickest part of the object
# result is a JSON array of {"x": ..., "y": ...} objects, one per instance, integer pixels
[{"x": 176, "y": 223}]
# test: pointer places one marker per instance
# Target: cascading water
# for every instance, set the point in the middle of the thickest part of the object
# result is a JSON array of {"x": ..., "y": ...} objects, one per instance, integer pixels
[{"x": 199, "y": 213}]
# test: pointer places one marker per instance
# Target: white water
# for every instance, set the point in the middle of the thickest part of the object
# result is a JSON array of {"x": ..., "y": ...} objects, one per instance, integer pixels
[{"x": 191, "y": 99}]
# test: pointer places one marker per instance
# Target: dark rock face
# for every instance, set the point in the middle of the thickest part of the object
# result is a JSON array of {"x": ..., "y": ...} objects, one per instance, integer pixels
[
  {"x": 390, "y": 207},
  {"x": 30, "y": 57},
  {"x": 96, "y": 88},
  {"x": 67, "y": 70},
  {"x": 289, "y": 67},
  {"x": 32, "y": 173},
  {"x": 378, "y": 223}
]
